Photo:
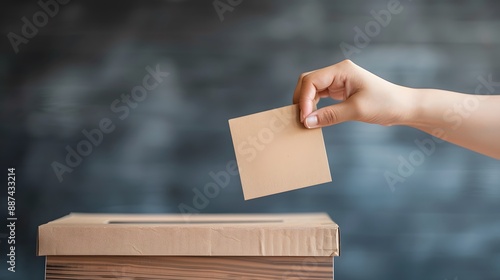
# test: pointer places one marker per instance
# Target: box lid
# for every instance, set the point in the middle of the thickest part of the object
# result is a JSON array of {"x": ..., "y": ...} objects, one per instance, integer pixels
[{"x": 197, "y": 235}]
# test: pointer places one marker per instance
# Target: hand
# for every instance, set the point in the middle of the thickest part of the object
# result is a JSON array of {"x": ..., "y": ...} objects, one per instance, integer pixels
[
  {"x": 468, "y": 120},
  {"x": 365, "y": 96}
]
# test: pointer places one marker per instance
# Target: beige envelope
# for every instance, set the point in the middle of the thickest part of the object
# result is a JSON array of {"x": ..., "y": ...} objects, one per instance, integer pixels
[{"x": 276, "y": 153}]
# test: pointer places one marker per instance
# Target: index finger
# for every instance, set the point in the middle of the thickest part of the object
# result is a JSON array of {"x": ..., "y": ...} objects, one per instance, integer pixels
[
  {"x": 296, "y": 92},
  {"x": 310, "y": 86}
]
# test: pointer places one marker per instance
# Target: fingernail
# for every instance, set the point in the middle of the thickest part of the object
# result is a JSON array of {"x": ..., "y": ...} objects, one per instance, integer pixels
[{"x": 311, "y": 121}]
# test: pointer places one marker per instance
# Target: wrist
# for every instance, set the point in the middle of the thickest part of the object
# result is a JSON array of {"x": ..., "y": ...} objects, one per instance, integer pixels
[
  {"x": 408, "y": 105},
  {"x": 424, "y": 108}
]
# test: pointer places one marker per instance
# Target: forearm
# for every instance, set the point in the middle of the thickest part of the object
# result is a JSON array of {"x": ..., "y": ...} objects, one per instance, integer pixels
[{"x": 470, "y": 121}]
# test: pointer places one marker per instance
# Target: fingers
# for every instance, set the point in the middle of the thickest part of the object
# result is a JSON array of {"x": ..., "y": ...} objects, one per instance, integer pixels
[
  {"x": 313, "y": 86},
  {"x": 307, "y": 99},
  {"x": 330, "y": 115},
  {"x": 296, "y": 92},
  {"x": 332, "y": 81}
]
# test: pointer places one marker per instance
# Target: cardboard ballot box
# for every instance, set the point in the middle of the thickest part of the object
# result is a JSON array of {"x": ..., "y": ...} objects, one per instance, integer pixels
[{"x": 204, "y": 246}]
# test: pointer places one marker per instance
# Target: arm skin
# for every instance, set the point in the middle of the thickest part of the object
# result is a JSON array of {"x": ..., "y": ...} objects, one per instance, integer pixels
[{"x": 470, "y": 121}]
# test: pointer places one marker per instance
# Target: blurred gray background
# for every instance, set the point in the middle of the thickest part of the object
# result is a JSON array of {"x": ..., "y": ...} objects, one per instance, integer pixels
[{"x": 442, "y": 222}]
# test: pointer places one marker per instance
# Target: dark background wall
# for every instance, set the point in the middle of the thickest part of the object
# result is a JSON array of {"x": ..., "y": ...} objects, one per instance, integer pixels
[{"x": 442, "y": 222}]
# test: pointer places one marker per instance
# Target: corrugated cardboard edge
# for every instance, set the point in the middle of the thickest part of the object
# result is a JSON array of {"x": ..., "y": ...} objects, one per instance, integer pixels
[
  {"x": 80, "y": 234},
  {"x": 338, "y": 243}
]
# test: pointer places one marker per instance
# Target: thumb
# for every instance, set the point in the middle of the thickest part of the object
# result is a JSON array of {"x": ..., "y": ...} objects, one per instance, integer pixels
[{"x": 330, "y": 115}]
